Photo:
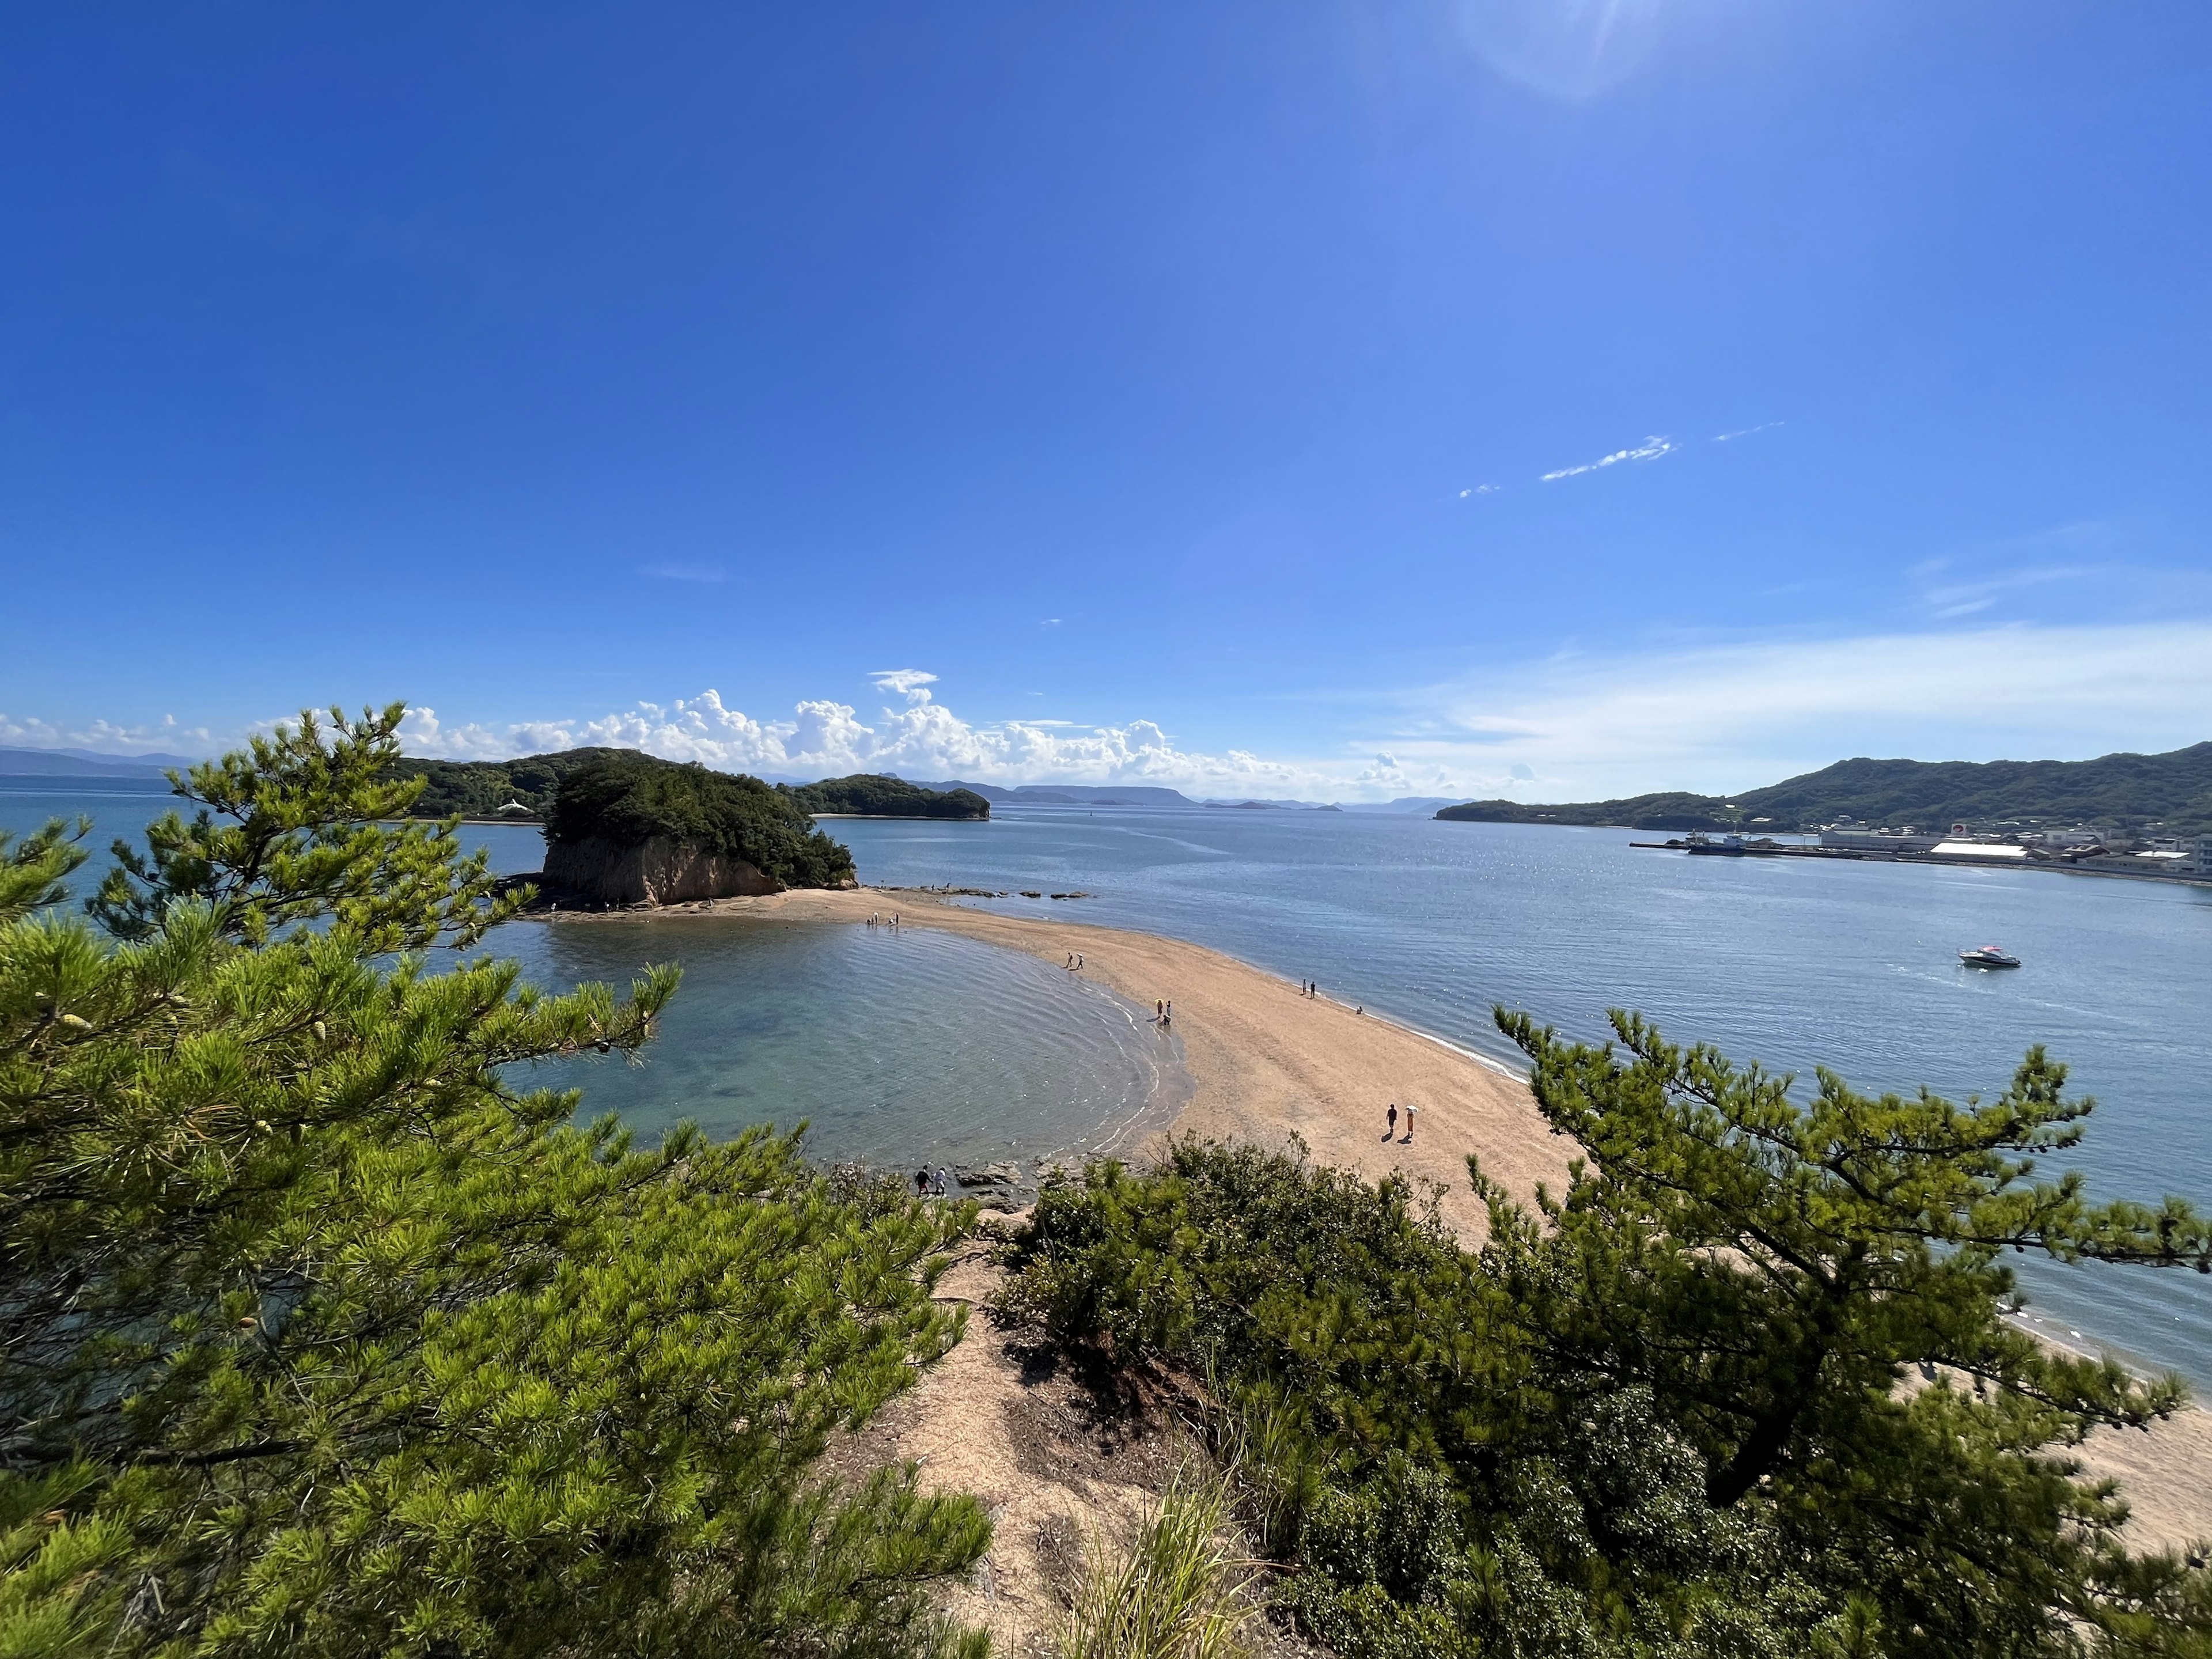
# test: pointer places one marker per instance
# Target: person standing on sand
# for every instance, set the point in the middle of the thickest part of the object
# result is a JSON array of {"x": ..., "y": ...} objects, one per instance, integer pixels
[
  {"x": 1159, "y": 1010},
  {"x": 1409, "y": 1126},
  {"x": 1390, "y": 1132}
]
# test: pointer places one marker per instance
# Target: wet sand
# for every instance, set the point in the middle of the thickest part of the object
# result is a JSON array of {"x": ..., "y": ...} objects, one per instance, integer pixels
[{"x": 1267, "y": 1063}]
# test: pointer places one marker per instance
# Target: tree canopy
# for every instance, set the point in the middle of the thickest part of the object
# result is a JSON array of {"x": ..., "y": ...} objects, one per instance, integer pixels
[
  {"x": 322, "y": 1333},
  {"x": 628, "y": 799}
]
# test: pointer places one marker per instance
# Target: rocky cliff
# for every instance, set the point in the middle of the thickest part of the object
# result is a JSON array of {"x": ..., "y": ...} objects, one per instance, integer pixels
[{"x": 657, "y": 871}]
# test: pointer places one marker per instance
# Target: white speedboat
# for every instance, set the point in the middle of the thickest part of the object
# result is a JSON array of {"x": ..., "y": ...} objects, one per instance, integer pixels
[{"x": 1988, "y": 956}]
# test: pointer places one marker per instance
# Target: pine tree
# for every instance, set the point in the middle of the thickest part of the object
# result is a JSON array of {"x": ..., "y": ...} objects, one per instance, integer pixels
[{"x": 322, "y": 1333}]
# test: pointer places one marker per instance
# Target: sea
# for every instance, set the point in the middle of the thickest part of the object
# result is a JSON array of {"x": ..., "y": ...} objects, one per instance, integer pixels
[{"x": 918, "y": 1047}]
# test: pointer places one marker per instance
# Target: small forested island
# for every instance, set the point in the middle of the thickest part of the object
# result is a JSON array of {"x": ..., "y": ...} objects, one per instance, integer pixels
[
  {"x": 625, "y": 828},
  {"x": 879, "y": 795},
  {"x": 2169, "y": 794}
]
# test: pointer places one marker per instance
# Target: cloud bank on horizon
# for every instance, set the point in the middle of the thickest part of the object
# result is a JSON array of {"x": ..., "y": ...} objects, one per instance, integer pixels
[{"x": 1710, "y": 716}]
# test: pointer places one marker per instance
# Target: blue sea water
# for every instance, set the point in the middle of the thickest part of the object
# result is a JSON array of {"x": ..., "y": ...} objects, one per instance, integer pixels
[{"x": 896, "y": 1049}]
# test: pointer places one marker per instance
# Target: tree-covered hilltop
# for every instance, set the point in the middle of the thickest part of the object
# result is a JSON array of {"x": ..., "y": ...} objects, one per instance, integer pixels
[
  {"x": 323, "y": 1333},
  {"x": 625, "y": 799},
  {"x": 879, "y": 795},
  {"x": 485, "y": 789},
  {"x": 2169, "y": 794},
  {"x": 491, "y": 789}
]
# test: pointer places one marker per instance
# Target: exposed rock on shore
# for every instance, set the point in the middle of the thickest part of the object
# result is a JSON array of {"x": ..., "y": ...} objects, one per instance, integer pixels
[{"x": 656, "y": 870}]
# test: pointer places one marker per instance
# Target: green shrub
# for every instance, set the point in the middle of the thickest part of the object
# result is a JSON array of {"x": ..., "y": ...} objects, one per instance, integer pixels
[{"x": 1530, "y": 1450}]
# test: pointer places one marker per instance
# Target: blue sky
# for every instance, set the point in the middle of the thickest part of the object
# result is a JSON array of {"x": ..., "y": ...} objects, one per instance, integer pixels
[{"x": 1211, "y": 394}]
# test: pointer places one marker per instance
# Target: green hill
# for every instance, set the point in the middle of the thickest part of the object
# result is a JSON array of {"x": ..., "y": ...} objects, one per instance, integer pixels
[
  {"x": 627, "y": 799},
  {"x": 877, "y": 795},
  {"x": 2166, "y": 794},
  {"x": 479, "y": 789}
]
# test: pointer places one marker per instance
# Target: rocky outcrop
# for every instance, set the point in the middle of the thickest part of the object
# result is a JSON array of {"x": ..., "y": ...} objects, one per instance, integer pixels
[{"x": 655, "y": 871}]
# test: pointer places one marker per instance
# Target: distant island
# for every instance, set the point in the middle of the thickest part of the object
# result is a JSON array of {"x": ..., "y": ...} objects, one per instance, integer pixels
[
  {"x": 2131, "y": 794},
  {"x": 625, "y": 828},
  {"x": 879, "y": 795}
]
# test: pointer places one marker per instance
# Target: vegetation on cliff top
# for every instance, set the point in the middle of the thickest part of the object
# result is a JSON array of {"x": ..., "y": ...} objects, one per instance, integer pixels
[
  {"x": 628, "y": 799},
  {"x": 322, "y": 1335},
  {"x": 2130, "y": 792},
  {"x": 878, "y": 795},
  {"x": 1746, "y": 1387},
  {"x": 489, "y": 789}
]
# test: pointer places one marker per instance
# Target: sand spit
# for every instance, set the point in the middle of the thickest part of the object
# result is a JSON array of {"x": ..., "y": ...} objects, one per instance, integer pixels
[{"x": 1267, "y": 1062}]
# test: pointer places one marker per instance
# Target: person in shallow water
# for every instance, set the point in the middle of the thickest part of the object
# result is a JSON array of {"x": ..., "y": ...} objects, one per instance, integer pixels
[{"x": 921, "y": 1181}]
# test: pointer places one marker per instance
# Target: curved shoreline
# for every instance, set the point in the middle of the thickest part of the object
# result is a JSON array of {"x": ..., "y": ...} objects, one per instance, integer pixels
[{"x": 1266, "y": 1064}]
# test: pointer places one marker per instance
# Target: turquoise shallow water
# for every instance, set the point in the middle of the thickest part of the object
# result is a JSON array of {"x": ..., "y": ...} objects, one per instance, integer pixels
[
  {"x": 894, "y": 1048},
  {"x": 893, "y": 1052}
]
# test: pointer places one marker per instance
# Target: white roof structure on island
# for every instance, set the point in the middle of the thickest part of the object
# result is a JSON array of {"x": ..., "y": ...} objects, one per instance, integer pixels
[{"x": 1977, "y": 849}]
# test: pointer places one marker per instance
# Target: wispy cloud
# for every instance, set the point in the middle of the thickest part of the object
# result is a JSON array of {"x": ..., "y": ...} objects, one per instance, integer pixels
[
  {"x": 1479, "y": 490},
  {"x": 912, "y": 683},
  {"x": 103, "y": 737},
  {"x": 1730, "y": 437},
  {"x": 1649, "y": 450},
  {"x": 1733, "y": 714},
  {"x": 686, "y": 573},
  {"x": 1949, "y": 601}
]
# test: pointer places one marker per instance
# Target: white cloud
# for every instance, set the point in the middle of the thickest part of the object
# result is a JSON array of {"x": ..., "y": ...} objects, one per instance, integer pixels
[
  {"x": 1730, "y": 437},
  {"x": 1479, "y": 490},
  {"x": 1735, "y": 714},
  {"x": 908, "y": 682},
  {"x": 1649, "y": 450},
  {"x": 104, "y": 737},
  {"x": 921, "y": 739}
]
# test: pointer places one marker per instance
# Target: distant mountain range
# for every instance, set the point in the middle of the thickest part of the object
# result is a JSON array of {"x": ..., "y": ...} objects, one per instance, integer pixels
[
  {"x": 2135, "y": 794},
  {"x": 83, "y": 762}
]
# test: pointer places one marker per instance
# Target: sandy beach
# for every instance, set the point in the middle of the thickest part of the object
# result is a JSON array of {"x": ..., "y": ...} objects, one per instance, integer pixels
[{"x": 1267, "y": 1063}]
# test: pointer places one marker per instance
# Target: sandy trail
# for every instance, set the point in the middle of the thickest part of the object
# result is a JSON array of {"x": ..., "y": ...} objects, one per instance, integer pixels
[{"x": 1267, "y": 1063}]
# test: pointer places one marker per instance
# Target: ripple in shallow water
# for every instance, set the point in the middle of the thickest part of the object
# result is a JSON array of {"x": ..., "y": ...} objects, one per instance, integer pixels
[{"x": 896, "y": 1047}]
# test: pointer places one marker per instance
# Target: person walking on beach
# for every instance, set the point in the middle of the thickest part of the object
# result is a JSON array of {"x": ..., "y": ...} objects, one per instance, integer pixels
[
  {"x": 1390, "y": 1132},
  {"x": 1159, "y": 1010},
  {"x": 943, "y": 1182},
  {"x": 921, "y": 1181},
  {"x": 1409, "y": 1126}
]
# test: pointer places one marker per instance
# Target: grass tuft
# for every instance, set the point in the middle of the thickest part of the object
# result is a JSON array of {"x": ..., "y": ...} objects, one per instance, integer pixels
[{"x": 1175, "y": 1592}]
